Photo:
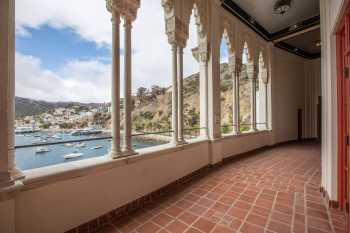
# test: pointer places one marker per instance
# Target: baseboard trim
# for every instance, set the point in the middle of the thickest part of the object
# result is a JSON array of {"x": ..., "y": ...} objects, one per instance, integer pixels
[{"x": 333, "y": 204}]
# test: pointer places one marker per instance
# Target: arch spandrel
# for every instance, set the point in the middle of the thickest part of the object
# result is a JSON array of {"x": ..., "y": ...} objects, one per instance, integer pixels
[
  {"x": 228, "y": 35},
  {"x": 198, "y": 8}
]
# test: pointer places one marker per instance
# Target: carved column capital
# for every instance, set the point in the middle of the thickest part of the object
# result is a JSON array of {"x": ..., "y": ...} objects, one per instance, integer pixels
[
  {"x": 263, "y": 75},
  {"x": 201, "y": 53},
  {"x": 177, "y": 31},
  {"x": 129, "y": 10},
  {"x": 168, "y": 5},
  {"x": 114, "y": 6},
  {"x": 252, "y": 71}
]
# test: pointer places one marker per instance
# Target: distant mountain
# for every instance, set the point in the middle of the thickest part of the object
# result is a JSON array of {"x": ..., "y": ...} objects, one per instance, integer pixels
[{"x": 27, "y": 107}]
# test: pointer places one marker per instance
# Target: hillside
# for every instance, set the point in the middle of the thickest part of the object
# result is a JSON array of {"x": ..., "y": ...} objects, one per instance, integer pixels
[
  {"x": 152, "y": 107},
  {"x": 152, "y": 111},
  {"x": 28, "y": 107}
]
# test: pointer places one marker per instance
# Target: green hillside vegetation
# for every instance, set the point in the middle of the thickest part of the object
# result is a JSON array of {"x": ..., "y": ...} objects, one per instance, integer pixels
[{"x": 152, "y": 109}]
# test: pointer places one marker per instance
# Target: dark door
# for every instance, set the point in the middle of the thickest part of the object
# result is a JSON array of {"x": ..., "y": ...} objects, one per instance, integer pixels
[{"x": 300, "y": 124}]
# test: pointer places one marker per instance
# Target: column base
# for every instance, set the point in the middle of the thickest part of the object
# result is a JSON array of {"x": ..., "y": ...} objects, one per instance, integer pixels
[
  {"x": 182, "y": 142},
  {"x": 9, "y": 178},
  {"x": 128, "y": 152},
  {"x": 253, "y": 130},
  {"x": 115, "y": 154},
  {"x": 179, "y": 143}
]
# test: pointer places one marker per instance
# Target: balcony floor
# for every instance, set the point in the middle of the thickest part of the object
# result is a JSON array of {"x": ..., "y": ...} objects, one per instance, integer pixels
[{"x": 273, "y": 191}]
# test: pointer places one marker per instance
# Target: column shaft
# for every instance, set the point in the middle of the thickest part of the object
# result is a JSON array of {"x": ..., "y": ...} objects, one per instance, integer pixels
[
  {"x": 127, "y": 146},
  {"x": 203, "y": 83},
  {"x": 236, "y": 106},
  {"x": 266, "y": 107},
  {"x": 8, "y": 171},
  {"x": 174, "y": 96},
  {"x": 261, "y": 113},
  {"x": 253, "y": 102},
  {"x": 115, "y": 151},
  {"x": 180, "y": 96},
  {"x": 235, "y": 120}
]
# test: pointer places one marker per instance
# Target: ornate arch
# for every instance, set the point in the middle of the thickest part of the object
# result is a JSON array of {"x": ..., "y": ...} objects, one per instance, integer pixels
[
  {"x": 198, "y": 8},
  {"x": 263, "y": 72},
  {"x": 227, "y": 31}
]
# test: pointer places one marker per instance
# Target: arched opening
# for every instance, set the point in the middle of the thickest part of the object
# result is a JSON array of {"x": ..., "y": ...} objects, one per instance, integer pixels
[
  {"x": 245, "y": 88},
  {"x": 261, "y": 95},
  {"x": 152, "y": 71},
  {"x": 226, "y": 85},
  {"x": 191, "y": 81}
]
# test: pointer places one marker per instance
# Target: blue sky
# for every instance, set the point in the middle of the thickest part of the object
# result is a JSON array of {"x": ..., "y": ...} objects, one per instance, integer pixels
[
  {"x": 63, "y": 53},
  {"x": 54, "y": 47}
]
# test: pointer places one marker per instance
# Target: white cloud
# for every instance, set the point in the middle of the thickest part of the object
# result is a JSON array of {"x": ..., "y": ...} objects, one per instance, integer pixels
[
  {"x": 91, "y": 21},
  {"x": 83, "y": 81},
  {"x": 88, "y": 18}
]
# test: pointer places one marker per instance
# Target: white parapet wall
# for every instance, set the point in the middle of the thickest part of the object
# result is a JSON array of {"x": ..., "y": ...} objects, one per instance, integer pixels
[{"x": 58, "y": 198}]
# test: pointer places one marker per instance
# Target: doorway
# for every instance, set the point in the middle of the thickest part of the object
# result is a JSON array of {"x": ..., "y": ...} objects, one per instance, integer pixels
[{"x": 343, "y": 109}]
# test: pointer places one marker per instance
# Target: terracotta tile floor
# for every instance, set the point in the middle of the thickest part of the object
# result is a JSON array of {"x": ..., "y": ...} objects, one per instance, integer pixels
[{"x": 271, "y": 191}]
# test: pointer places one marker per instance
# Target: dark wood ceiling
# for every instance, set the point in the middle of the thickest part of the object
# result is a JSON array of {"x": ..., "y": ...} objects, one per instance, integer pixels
[{"x": 297, "y": 31}]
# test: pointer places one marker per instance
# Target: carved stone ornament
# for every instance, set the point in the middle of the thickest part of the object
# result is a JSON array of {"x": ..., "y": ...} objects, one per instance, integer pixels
[
  {"x": 114, "y": 6},
  {"x": 264, "y": 76},
  {"x": 177, "y": 31},
  {"x": 130, "y": 8},
  {"x": 168, "y": 5}
]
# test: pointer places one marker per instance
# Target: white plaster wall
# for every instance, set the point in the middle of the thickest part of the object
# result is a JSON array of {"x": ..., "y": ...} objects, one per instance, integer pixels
[
  {"x": 243, "y": 143},
  {"x": 312, "y": 82},
  {"x": 288, "y": 86},
  {"x": 331, "y": 12},
  {"x": 7, "y": 216}
]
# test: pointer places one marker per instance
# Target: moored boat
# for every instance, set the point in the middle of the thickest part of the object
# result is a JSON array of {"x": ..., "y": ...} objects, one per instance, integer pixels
[
  {"x": 42, "y": 150},
  {"x": 73, "y": 155}
]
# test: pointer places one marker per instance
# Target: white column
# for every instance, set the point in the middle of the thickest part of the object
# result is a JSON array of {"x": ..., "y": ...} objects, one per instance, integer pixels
[
  {"x": 232, "y": 69},
  {"x": 262, "y": 101},
  {"x": 254, "y": 102},
  {"x": 201, "y": 55},
  {"x": 180, "y": 112},
  {"x": 252, "y": 78},
  {"x": 8, "y": 171},
  {"x": 214, "y": 88},
  {"x": 203, "y": 92},
  {"x": 174, "y": 96},
  {"x": 127, "y": 144},
  {"x": 115, "y": 151},
  {"x": 236, "y": 106}
]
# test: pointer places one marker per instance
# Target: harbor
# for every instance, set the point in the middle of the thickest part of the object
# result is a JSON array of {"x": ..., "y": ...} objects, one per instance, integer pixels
[{"x": 60, "y": 149}]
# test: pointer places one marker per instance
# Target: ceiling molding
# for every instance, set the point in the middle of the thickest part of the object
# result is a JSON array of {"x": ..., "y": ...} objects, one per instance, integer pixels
[
  {"x": 296, "y": 29},
  {"x": 297, "y": 51},
  {"x": 234, "y": 9}
]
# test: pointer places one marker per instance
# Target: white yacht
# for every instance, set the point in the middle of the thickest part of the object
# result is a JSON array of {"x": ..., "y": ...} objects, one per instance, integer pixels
[
  {"x": 73, "y": 155},
  {"x": 42, "y": 150}
]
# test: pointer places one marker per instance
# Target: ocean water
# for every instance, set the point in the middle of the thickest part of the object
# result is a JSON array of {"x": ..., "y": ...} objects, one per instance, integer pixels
[{"x": 27, "y": 158}]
